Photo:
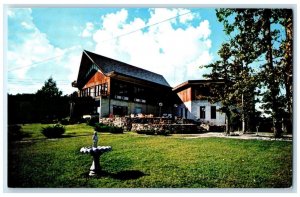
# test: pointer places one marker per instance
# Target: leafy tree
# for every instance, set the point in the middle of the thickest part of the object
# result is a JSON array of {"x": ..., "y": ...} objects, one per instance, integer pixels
[
  {"x": 224, "y": 91},
  {"x": 285, "y": 18},
  {"x": 50, "y": 103},
  {"x": 241, "y": 89},
  {"x": 252, "y": 37}
]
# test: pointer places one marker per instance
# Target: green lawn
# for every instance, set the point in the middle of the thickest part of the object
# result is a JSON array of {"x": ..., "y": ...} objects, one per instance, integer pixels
[{"x": 139, "y": 161}]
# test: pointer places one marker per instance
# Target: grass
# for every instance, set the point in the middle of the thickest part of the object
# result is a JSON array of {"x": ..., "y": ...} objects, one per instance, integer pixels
[{"x": 140, "y": 161}]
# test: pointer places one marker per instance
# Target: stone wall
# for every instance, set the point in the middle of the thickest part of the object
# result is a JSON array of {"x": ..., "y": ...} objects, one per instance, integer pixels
[
  {"x": 172, "y": 128},
  {"x": 123, "y": 122},
  {"x": 157, "y": 124}
]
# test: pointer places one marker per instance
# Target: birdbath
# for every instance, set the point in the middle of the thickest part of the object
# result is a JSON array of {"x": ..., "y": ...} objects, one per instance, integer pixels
[{"x": 96, "y": 152}]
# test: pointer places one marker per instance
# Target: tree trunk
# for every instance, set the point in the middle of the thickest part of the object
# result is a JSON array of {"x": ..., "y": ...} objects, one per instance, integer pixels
[
  {"x": 228, "y": 123},
  {"x": 273, "y": 83},
  {"x": 288, "y": 68}
]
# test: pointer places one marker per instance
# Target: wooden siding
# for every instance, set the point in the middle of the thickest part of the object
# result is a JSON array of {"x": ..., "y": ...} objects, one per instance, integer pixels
[
  {"x": 185, "y": 95},
  {"x": 97, "y": 79}
]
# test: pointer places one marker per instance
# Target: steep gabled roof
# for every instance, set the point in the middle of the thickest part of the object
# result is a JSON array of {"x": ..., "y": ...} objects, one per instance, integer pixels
[{"x": 91, "y": 62}]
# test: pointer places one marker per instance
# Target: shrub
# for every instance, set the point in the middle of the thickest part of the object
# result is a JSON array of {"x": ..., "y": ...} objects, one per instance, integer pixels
[
  {"x": 15, "y": 132},
  {"x": 100, "y": 127},
  {"x": 54, "y": 131},
  {"x": 93, "y": 120},
  {"x": 163, "y": 132},
  {"x": 116, "y": 130}
]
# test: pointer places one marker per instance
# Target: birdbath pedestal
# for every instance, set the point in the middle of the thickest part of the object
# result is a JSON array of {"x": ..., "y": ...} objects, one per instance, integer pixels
[{"x": 95, "y": 152}]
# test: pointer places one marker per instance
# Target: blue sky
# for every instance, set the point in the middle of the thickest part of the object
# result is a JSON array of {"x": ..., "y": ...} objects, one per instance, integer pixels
[{"x": 44, "y": 42}]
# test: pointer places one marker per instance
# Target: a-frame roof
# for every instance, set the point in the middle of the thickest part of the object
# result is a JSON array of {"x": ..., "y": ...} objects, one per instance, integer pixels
[{"x": 91, "y": 63}]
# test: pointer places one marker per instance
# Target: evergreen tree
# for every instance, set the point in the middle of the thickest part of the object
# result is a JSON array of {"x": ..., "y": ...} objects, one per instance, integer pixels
[
  {"x": 49, "y": 90},
  {"x": 50, "y": 103}
]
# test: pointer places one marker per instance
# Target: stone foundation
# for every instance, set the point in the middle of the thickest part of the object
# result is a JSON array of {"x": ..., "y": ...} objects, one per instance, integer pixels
[
  {"x": 171, "y": 128},
  {"x": 157, "y": 124},
  {"x": 123, "y": 122}
]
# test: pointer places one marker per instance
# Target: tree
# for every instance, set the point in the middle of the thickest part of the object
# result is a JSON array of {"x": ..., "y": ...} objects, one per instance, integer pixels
[
  {"x": 285, "y": 18},
  {"x": 240, "y": 85},
  {"x": 223, "y": 92},
  {"x": 50, "y": 102},
  {"x": 49, "y": 90},
  {"x": 252, "y": 44}
]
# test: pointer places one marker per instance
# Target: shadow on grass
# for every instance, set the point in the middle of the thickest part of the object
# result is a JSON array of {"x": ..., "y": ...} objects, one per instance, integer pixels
[{"x": 122, "y": 175}]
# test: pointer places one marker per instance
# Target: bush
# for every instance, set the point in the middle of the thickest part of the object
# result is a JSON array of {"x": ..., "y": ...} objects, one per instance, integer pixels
[
  {"x": 93, "y": 120},
  {"x": 116, "y": 130},
  {"x": 100, "y": 127},
  {"x": 53, "y": 131},
  {"x": 163, "y": 132},
  {"x": 15, "y": 133}
]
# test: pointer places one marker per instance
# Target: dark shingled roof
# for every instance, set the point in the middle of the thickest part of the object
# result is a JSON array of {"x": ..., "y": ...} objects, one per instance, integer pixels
[{"x": 108, "y": 65}]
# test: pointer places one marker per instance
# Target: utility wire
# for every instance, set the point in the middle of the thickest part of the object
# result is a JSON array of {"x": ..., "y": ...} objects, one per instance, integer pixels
[
  {"x": 113, "y": 38},
  {"x": 35, "y": 63},
  {"x": 116, "y": 37},
  {"x": 42, "y": 61}
]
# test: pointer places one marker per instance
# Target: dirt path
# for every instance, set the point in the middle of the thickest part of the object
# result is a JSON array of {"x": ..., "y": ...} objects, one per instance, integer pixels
[{"x": 250, "y": 136}]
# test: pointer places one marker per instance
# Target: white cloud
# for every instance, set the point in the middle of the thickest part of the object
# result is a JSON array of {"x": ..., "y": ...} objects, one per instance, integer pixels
[
  {"x": 32, "y": 59},
  {"x": 175, "y": 53},
  {"x": 10, "y": 13},
  {"x": 115, "y": 21},
  {"x": 19, "y": 12},
  {"x": 87, "y": 32},
  {"x": 26, "y": 25},
  {"x": 186, "y": 15}
]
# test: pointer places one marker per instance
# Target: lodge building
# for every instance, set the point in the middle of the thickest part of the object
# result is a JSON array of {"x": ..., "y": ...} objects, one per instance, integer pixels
[
  {"x": 122, "y": 89},
  {"x": 195, "y": 103}
]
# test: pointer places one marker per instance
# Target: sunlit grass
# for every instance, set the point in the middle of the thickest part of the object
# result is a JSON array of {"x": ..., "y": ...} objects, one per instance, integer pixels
[{"x": 139, "y": 161}]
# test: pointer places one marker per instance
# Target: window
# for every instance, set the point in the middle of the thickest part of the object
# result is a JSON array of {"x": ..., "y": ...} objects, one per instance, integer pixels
[
  {"x": 120, "y": 110},
  {"x": 101, "y": 89},
  {"x": 139, "y": 91},
  {"x": 138, "y": 110},
  {"x": 186, "y": 111},
  {"x": 202, "y": 112},
  {"x": 213, "y": 112},
  {"x": 120, "y": 89},
  {"x": 96, "y": 90},
  {"x": 139, "y": 95},
  {"x": 85, "y": 92}
]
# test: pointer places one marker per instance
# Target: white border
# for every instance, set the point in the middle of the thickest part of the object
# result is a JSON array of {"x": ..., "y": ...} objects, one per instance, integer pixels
[{"x": 153, "y": 3}]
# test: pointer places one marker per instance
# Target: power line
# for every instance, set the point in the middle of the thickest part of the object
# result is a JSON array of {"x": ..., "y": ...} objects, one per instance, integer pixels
[
  {"x": 113, "y": 38},
  {"x": 16, "y": 79},
  {"x": 42, "y": 61},
  {"x": 116, "y": 37},
  {"x": 35, "y": 63}
]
